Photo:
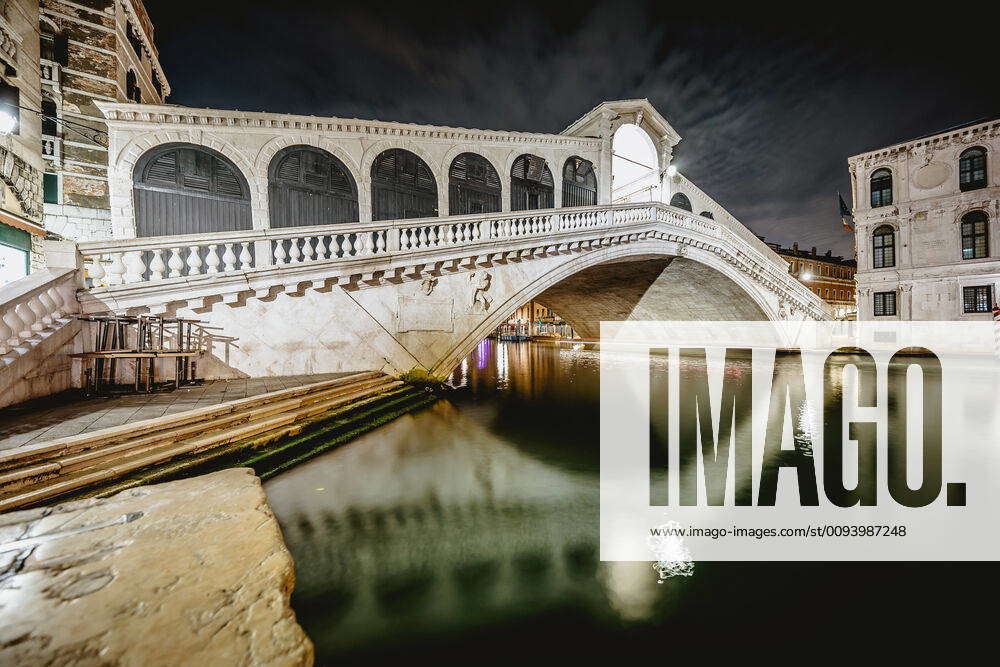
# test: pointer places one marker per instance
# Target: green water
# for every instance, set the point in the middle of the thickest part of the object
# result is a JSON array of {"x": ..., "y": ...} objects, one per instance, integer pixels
[{"x": 467, "y": 533}]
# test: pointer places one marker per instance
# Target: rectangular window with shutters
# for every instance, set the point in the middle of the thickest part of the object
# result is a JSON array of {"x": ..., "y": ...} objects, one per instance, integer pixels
[
  {"x": 884, "y": 303},
  {"x": 977, "y": 299},
  {"x": 50, "y": 183}
]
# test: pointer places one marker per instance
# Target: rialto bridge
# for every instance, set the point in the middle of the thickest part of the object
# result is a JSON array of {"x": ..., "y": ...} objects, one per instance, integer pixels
[{"x": 327, "y": 244}]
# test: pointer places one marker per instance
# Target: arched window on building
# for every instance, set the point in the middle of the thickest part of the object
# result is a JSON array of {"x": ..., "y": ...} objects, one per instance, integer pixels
[
  {"x": 531, "y": 184},
  {"x": 884, "y": 247},
  {"x": 707, "y": 214},
  {"x": 579, "y": 183},
  {"x": 473, "y": 185},
  {"x": 132, "y": 90},
  {"x": 680, "y": 200},
  {"x": 881, "y": 188},
  {"x": 309, "y": 186},
  {"x": 403, "y": 186},
  {"x": 972, "y": 169},
  {"x": 975, "y": 235}
]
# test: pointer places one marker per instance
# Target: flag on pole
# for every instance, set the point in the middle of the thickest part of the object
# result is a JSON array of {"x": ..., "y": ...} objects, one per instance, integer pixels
[{"x": 845, "y": 214}]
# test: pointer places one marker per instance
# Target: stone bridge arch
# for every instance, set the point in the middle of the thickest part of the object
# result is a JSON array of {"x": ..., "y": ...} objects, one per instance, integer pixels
[{"x": 639, "y": 281}]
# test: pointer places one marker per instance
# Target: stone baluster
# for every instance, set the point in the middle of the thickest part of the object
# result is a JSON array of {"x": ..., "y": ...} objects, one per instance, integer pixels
[
  {"x": 13, "y": 328},
  {"x": 96, "y": 271},
  {"x": 135, "y": 267},
  {"x": 323, "y": 247},
  {"x": 294, "y": 253},
  {"x": 308, "y": 252},
  {"x": 229, "y": 258},
  {"x": 194, "y": 262},
  {"x": 156, "y": 265},
  {"x": 116, "y": 269},
  {"x": 380, "y": 241},
  {"x": 175, "y": 263},
  {"x": 27, "y": 317},
  {"x": 245, "y": 257},
  {"x": 6, "y": 333},
  {"x": 49, "y": 308},
  {"x": 212, "y": 259},
  {"x": 280, "y": 257},
  {"x": 335, "y": 245}
]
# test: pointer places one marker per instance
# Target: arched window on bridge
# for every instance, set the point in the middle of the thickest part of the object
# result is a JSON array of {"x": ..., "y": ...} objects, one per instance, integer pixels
[
  {"x": 884, "y": 247},
  {"x": 881, "y": 188},
  {"x": 972, "y": 169},
  {"x": 403, "y": 186},
  {"x": 189, "y": 189},
  {"x": 531, "y": 184},
  {"x": 707, "y": 214},
  {"x": 309, "y": 186},
  {"x": 473, "y": 185},
  {"x": 680, "y": 200},
  {"x": 579, "y": 183}
]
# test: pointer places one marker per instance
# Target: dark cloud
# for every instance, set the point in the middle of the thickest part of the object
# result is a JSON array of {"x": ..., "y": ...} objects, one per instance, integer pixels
[{"x": 768, "y": 111}]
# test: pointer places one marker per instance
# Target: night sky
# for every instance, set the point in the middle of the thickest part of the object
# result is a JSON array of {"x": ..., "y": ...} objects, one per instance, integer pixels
[{"x": 768, "y": 110}]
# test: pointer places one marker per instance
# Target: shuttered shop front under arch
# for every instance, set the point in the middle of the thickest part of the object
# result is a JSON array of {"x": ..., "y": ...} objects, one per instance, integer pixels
[{"x": 402, "y": 187}]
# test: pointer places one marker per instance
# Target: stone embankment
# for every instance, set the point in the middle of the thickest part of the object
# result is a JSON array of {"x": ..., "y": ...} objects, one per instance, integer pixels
[
  {"x": 282, "y": 427},
  {"x": 191, "y": 572}
]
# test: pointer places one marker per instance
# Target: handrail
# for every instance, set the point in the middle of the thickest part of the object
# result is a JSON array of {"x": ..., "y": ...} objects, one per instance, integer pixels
[
  {"x": 32, "y": 304},
  {"x": 151, "y": 259}
]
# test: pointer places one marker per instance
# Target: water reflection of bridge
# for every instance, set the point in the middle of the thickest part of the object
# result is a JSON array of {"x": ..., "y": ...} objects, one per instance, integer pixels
[{"x": 437, "y": 524}]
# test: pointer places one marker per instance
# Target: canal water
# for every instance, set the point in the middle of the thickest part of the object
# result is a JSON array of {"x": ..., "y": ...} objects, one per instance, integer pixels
[{"x": 467, "y": 533}]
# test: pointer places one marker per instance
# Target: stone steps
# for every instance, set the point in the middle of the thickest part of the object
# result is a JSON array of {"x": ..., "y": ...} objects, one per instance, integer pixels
[{"x": 34, "y": 474}]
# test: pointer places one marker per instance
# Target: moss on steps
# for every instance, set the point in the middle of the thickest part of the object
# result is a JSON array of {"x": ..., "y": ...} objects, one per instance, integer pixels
[{"x": 272, "y": 452}]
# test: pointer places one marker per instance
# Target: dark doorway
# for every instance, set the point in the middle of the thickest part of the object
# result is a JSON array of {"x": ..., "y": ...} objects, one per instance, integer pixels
[
  {"x": 531, "y": 184},
  {"x": 309, "y": 186},
  {"x": 579, "y": 183},
  {"x": 473, "y": 185},
  {"x": 402, "y": 187}
]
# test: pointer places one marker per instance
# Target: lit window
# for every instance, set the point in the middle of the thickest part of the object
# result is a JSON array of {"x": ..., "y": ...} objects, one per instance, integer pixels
[
  {"x": 972, "y": 169},
  {"x": 881, "y": 188},
  {"x": 884, "y": 247},
  {"x": 885, "y": 303},
  {"x": 977, "y": 299},
  {"x": 50, "y": 187},
  {"x": 975, "y": 235}
]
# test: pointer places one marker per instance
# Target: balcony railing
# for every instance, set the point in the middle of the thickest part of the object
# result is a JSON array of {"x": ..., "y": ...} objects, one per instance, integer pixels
[
  {"x": 152, "y": 259},
  {"x": 49, "y": 72},
  {"x": 51, "y": 148}
]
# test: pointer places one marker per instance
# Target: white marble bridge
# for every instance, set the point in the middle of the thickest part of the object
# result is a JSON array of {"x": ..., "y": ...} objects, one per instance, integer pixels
[{"x": 391, "y": 290}]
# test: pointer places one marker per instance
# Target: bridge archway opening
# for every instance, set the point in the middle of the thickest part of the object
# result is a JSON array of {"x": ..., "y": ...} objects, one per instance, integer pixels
[
  {"x": 579, "y": 186},
  {"x": 189, "y": 189},
  {"x": 309, "y": 186},
  {"x": 635, "y": 172},
  {"x": 473, "y": 185},
  {"x": 531, "y": 184},
  {"x": 403, "y": 186},
  {"x": 643, "y": 287}
]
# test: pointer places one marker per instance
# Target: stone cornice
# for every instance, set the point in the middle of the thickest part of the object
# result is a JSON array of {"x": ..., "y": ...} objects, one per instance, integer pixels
[
  {"x": 649, "y": 115},
  {"x": 147, "y": 42},
  {"x": 160, "y": 115},
  {"x": 964, "y": 135}
]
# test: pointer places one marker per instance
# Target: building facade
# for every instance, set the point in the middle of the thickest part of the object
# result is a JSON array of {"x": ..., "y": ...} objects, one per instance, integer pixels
[
  {"x": 830, "y": 277},
  {"x": 927, "y": 233},
  {"x": 91, "y": 51},
  {"x": 21, "y": 164}
]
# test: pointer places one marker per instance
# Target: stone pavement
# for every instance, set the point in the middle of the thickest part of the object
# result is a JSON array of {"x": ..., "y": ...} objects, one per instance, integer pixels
[{"x": 69, "y": 414}]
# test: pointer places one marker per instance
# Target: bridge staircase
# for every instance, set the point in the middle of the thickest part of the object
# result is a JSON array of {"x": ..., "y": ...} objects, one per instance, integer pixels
[{"x": 269, "y": 432}]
